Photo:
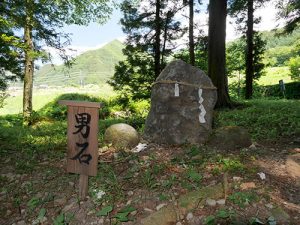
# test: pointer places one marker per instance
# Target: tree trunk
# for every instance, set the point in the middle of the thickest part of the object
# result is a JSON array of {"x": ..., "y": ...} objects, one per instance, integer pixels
[
  {"x": 29, "y": 67},
  {"x": 249, "y": 52},
  {"x": 165, "y": 37},
  {"x": 216, "y": 50},
  {"x": 157, "y": 39},
  {"x": 191, "y": 33}
]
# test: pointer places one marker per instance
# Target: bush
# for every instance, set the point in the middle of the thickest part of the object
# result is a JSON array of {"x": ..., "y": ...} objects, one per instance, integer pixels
[
  {"x": 55, "y": 111},
  {"x": 294, "y": 66},
  {"x": 292, "y": 91}
]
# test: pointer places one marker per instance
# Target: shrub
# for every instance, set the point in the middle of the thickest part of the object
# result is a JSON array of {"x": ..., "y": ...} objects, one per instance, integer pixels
[{"x": 294, "y": 66}]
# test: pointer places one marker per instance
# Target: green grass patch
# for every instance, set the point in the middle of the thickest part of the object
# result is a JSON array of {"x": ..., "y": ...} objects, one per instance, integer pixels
[{"x": 264, "y": 119}]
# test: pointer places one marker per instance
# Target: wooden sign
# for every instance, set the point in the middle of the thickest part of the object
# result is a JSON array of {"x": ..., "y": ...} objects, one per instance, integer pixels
[{"x": 82, "y": 140}]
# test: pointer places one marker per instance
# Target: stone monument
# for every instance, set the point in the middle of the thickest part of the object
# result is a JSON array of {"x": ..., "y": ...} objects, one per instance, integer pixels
[{"x": 182, "y": 103}]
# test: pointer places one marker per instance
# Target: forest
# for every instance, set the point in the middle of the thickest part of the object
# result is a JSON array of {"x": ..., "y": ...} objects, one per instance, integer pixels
[{"x": 245, "y": 172}]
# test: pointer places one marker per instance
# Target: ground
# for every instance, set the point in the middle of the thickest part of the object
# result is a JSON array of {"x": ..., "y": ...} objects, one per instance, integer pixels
[{"x": 130, "y": 187}]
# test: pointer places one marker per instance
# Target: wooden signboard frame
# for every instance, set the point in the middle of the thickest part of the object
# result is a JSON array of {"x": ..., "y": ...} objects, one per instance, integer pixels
[{"x": 82, "y": 139}]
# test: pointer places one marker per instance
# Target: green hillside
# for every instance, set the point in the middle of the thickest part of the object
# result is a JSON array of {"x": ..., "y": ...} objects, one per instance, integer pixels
[{"x": 91, "y": 67}]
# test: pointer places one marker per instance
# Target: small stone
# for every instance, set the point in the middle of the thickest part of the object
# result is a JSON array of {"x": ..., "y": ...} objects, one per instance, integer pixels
[
  {"x": 280, "y": 215},
  {"x": 133, "y": 213},
  {"x": 248, "y": 185},
  {"x": 72, "y": 184},
  {"x": 189, "y": 216},
  {"x": 130, "y": 193},
  {"x": 252, "y": 147},
  {"x": 23, "y": 211},
  {"x": 8, "y": 212},
  {"x": 22, "y": 222},
  {"x": 101, "y": 221},
  {"x": 148, "y": 210},
  {"x": 262, "y": 175},
  {"x": 221, "y": 202},
  {"x": 160, "y": 206},
  {"x": 60, "y": 201},
  {"x": 178, "y": 223},
  {"x": 128, "y": 202},
  {"x": 69, "y": 206},
  {"x": 211, "y": 202},
  {"x": 181, "y": 216},
  {"x": 237, "y": 179},
  {"x": 269, "y": 205},
  {"x": 90, "y": 213}
]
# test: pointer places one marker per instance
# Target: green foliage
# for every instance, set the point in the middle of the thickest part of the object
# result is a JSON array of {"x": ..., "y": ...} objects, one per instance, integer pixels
[
  {"x": 63, "y": 219},
  {"x": 294, "y": 66},
  {"x": 55, "y": 111},
  {"x": 236, "y": 57},
  {"x": 290, "y": 11},
  {"x": 122, "y": 215},
  {"x": 105, "y": 211},
  {"x": 243, "y": 198},
  {"x": 201, "y": 54},
  {"x": 146, "y": 51},
  {"x": 232, "y": 165},
  {"x": 292, "y": 91},
  {"x": 210, "y": 220},
  {"x": 91, "y": 67},
  {"x": 264, "y": 119},
  {"x": 134, "y": 76},
  {"x": 33, "y": 203}
]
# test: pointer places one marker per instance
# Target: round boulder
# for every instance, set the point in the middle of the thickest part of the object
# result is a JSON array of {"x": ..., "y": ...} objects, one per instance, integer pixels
[
  {"x": 230, "y": 137},
  {"x": 121, "y": 136}
]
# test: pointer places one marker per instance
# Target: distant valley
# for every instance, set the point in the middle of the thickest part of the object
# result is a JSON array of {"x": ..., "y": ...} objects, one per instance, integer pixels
[{"x": 91, "y": 67}]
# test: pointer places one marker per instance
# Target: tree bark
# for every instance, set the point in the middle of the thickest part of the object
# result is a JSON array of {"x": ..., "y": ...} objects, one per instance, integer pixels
[
  {"x": 249, "y": 52},
  {"x": 168, "y": 18},
  {"x": 216, "y": 50},
  {"x": 157, "y": 51},
  {"x": 29, "y": 66},
  {"x": 191, "y": 33}
]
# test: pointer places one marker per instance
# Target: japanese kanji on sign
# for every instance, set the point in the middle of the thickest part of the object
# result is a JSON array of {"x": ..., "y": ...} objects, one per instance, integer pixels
[{"x": 82, "y": 156}]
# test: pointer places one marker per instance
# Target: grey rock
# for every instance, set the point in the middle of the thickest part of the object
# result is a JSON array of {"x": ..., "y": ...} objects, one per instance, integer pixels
[
  {"x": 280, "y": 215},
  {"x": 211, "y": 202},
  {"x": 160, "y": 206},
  {"x": 8, "y": 212},
  {"x": 221, "y": 202},
  {"x": 189, "y": 216},
  {"x": 176, "y": 119},
  {"x": 230, "y": 137},
  {"x": 121, "y": 136},
  {"x": 60, "y": 201},
  {"x": 22, "y": 222}
]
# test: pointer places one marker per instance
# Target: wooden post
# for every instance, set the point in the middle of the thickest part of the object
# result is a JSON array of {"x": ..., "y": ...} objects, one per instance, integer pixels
[{"x": 82, "y": 141}]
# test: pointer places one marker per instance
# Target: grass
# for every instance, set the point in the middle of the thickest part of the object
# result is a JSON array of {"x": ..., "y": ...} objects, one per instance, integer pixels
[
  {"x": 264, "y": 119},
  {"x": 274, "y": 74},
  {"x": 46, "y": 140},
  {"x": 14, "y": 103}
]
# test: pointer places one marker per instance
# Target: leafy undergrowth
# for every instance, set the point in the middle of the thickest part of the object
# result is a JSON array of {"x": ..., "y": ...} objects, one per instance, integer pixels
[
  {"x": 264, "y": 119},
  {"x": 36, "y": 189}
]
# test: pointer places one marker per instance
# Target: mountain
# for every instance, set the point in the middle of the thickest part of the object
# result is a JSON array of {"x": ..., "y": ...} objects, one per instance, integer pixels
[{"x": 91, "y": 67}]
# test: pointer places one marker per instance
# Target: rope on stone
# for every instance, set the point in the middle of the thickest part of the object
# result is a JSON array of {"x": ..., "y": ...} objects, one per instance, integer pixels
[{"x": 183, "y": 83}]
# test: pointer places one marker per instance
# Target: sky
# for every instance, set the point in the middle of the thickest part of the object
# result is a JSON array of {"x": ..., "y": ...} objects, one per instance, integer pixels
[{"x": 94, "y": 36}]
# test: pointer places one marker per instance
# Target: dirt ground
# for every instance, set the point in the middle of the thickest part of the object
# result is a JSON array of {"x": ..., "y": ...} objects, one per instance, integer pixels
[{"x": 140, "y": 184}]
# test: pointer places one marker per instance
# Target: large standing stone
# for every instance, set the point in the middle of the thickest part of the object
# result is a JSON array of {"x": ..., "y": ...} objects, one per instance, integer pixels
[{"x": 182, "y": 102}]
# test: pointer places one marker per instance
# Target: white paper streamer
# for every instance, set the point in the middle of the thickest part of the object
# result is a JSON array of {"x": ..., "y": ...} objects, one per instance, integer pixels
[
  {"x": 201, "y": 107},
  {"x": 176, "y": 90}
]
